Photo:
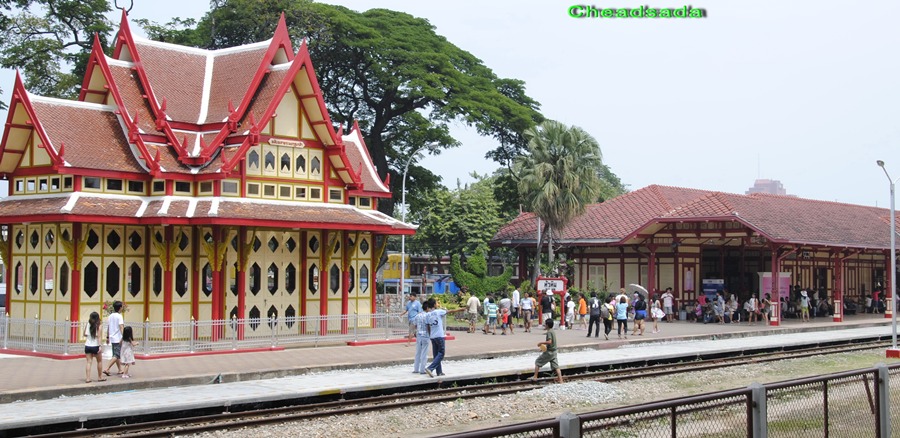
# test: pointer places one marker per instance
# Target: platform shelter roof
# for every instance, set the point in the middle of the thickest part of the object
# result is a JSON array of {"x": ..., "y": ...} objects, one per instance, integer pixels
[{"x": 633, "y": 218}]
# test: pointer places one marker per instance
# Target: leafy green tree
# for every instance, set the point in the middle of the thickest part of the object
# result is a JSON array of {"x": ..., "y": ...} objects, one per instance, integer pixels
[
  {"x": 49, "y": 41},
  {"x": 474, "y": 275},
  {"x": 391, "y": 71},
  {"x": 610, "y": 184},
  {"x": 558, "y": 178},
  {"x": 457, "y": 221}
]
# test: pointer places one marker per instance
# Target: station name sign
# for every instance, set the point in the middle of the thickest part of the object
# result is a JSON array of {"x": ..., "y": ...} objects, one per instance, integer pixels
[{"x": 286, "y": 142}]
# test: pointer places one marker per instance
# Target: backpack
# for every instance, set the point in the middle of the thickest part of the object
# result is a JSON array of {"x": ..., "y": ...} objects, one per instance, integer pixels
[
  {"x": 604, "y": 311},
  {"x": 595, "y": 307}
]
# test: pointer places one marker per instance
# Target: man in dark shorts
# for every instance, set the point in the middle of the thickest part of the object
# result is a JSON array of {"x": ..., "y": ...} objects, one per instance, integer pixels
[{"x": 548, "y": 355}]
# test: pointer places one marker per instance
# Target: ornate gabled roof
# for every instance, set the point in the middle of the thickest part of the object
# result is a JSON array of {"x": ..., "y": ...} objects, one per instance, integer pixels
[
  {"x": 179, "y": 107},
  {"x": 358, "y": 154},
  {"x": 73, "y": 128},
  {"x": 781, "y": 219}
]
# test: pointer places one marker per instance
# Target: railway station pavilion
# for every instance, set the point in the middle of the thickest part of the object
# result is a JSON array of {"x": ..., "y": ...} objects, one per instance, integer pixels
[
  {"x": 189, "y": 184},
  {"x": 662, "y": 237}
]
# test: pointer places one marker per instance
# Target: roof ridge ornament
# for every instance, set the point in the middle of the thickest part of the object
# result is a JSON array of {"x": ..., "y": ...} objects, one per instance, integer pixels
[
  {"x": 232, "y": 122},
  {"x": 161, "y": 119}
]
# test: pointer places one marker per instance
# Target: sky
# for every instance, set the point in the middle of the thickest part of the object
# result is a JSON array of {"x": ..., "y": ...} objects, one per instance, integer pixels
[{"x": 804, "y": 92}]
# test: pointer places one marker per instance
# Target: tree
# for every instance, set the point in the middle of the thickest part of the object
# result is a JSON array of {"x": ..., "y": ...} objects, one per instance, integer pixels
[
  {"x": 391, "y": 71},
  {"x": 558, "y": 178},
  {"x": 49, "y": 41},
  {"x": 474, "y": 275},
  {"x": 458, "y": 221}
]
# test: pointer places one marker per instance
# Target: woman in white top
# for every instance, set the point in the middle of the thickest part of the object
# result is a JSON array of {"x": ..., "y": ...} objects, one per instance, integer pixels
[
  {"x": 753, "y": 305},
  {"x": 92, "y": 347}
]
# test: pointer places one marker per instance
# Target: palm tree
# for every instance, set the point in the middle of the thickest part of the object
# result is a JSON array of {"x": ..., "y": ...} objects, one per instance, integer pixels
[{"x": 558, "y": 177}]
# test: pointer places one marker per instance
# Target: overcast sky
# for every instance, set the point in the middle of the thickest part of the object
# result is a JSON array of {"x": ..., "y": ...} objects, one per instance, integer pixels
[{"x": 805, "y": 92}]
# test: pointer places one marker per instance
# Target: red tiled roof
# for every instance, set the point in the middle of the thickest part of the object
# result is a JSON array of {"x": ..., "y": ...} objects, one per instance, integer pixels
[
  {"x": 92, "y": 136},
  {"x": 608, "y": 221},
  {"x": 126, "y": 82},
  {"x": 296, "y": 212},
  {"x": 264, "y": 96},
  {"x": 358, "y": 155},
  {"x": 176, "y": 76},
  {"x": 291, "y": 214},
  {"x": 784, "y": 219},
  {"x": 231, "y": 77}
]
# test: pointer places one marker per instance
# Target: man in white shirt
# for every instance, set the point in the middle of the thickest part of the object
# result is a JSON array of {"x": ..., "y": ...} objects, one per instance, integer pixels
[
  {"x": 516, "y": 297},
  {"x": 114, "y": 337},
  {"x": 472, "y": 309},
  {"x": 668, "y": 303}
]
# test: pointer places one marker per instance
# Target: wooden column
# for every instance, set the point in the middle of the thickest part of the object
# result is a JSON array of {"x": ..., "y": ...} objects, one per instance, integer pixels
[
  {"x": 168, "y": 282},
  {"x": 324, "y": 281},
  {"x": 243, "y": 257},
  {"x": 838, "y": 288},
  {"x": 651, "y": 271},
  {"x": 347, "y": 251},
  {"x": 74, "y": 250},
  {"x": 775, "y": 312}
]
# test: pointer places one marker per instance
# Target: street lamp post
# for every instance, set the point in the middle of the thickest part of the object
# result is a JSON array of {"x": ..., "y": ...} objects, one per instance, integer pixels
[
  {"x": 893, "y": 351},
  {"x": 402, "y": 285}
]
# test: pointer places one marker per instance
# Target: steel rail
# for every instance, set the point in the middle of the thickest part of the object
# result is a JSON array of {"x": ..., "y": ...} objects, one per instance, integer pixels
[{"x": 229, "y": 420}]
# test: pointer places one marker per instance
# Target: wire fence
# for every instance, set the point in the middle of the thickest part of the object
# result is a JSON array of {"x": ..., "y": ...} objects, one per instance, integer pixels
[
  {"x": 54, "y": 337},
  {"x": 850, "y": 404}
]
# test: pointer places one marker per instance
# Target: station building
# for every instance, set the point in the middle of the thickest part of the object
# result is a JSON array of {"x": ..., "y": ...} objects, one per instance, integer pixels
[
  {"x": 662, "y": 237},
  {"x": 189, "y": 183}
]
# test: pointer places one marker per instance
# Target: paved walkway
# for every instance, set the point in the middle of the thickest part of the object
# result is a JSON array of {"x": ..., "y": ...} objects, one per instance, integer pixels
[
  {"x": 26, "y": 377},
  {"x": 258, "y": 377}
]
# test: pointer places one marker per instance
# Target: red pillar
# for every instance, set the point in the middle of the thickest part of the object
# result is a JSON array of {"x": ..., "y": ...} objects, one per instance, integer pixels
[
  {"x": 775, "y": 312},
  {"x": 621, "y": 267},
  {"x": 838, "y": 288},
  {"x": 345, "y": 283},
  {"x": 651, "y": 271},
  {"x": 74, "y": 287},
  {"x": 168, "y": 284},
  {"x": 196, "y": 275},
  {"x": 324, "y": 283},
  {"x": 241, "y": 279}
]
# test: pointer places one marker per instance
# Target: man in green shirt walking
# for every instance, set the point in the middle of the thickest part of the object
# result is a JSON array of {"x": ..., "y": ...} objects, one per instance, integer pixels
[{"x": 548, "y": 353}]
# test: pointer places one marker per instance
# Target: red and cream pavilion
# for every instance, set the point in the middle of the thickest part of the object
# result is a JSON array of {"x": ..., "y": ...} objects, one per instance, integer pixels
[
  {"x": 189, "y": 183},
  {"x": 675, "y": 237}
]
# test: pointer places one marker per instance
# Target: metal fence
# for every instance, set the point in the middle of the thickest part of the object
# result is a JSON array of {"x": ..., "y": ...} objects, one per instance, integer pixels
[
  {"x": 849, "y": 404},
  {"x": 65, "y": 337}
]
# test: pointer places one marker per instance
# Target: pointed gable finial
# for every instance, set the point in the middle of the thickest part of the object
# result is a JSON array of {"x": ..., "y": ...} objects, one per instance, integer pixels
[
  {"x": 133, "y": 129},
  {"x": 161, "y": 119},
  {"x": 254, "y": 131},
  {"x": 281, "y": 28},
  {"x": 233, "y": 117}
]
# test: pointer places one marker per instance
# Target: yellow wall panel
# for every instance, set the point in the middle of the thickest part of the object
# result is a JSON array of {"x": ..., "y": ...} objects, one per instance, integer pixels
[{"x": 288, "y": 115}]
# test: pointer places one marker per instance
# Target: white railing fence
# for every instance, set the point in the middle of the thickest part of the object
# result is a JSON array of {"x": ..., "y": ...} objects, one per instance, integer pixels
[{"x": 55, "y": 337}]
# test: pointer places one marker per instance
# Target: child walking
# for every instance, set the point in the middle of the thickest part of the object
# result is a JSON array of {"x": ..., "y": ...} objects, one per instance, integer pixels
[
  {"x": 548, "y": 353},
  {"x": 128, "y": 344}
]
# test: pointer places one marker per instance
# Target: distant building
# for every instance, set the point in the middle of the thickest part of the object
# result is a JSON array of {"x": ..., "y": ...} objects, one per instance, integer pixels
[{"x": 770, "y": 186}]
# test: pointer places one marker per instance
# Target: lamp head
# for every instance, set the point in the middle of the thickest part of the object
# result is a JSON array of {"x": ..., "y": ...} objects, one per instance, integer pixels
[{"x": 880, "y": 163}]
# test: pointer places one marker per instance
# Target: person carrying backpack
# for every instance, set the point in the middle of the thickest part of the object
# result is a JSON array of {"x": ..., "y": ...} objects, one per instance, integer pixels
[
  {"x": 594, "y": 311},
  {"x": 607, "y": 314}
]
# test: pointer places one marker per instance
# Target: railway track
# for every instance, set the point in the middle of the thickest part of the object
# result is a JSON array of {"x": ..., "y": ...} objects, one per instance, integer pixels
[{"x": 235, "y": 417}]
